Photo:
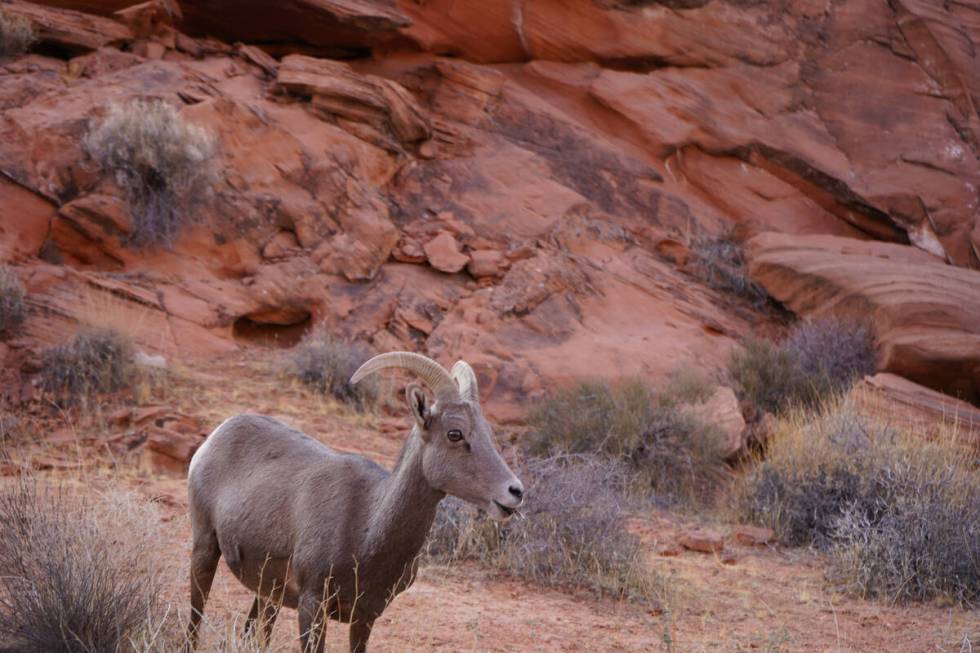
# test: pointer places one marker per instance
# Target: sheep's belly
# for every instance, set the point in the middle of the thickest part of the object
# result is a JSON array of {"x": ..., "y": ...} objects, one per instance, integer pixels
[{"x": 270, "y": 577}]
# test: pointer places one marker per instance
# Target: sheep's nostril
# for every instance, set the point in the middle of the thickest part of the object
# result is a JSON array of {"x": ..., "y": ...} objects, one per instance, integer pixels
[{"x": 516, "y": 491}]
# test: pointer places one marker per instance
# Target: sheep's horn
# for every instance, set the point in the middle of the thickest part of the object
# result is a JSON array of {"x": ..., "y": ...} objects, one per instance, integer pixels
[
  {"x": 432, "y": 373},
  {"x": 465, "y": 378}
]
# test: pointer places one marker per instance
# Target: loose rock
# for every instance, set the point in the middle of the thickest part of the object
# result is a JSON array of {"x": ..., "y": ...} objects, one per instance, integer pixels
[
  {"x": 703, "y": 541},
  {"x": 444, "y": 255}
]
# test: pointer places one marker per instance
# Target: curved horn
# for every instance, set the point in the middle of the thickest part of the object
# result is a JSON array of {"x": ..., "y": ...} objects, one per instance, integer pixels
[
  {"x": 432, "y": 373},
  {"x": 465, "y": 378}
]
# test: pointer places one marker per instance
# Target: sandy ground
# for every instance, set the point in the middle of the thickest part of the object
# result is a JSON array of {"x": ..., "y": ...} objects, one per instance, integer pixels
[
  {"x": 771, "y": 599},
  {"x": 763, "y": 599}
]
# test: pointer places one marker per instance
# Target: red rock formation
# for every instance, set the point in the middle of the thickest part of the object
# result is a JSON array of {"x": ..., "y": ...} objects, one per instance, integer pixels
[
  {"x": 828, "y": 109},
  {"x": 571, "y": 180},
  {"x": 339, "y": 27},
  {"x": 336, "y": 91},
  {"x": 925, "y": 313},
  {"x": 904, "y": 404},
  {"x": 71, "y": 30}
]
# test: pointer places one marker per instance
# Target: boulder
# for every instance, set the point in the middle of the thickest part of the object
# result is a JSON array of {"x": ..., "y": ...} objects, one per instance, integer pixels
[
  {"x": 702, "y": 541},
  {"x": 171, "y": 439},
  {"x": 925, "y": 313},
  {"x": 486, "y": 263},
  {"x": 894, "y": 400},
  {"x": 722, "y": 410},
  {"x": 353, "y": 259},
  {"x": 169, "y": 452},
  {"x": 443, "y": 254},
  {"x": 749, "y": 535},
  {"x": 409, "y": 250}
]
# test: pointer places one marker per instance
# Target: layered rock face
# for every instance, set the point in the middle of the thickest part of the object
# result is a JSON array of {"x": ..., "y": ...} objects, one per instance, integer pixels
[
  {"x": 925, "y": 313},
  {"x": 512, "y": 182},
  {"x": 867, "y": 109}
]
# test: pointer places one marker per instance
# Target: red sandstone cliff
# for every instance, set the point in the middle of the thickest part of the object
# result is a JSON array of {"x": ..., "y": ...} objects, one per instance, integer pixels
[{"x": 515, "y": 182}]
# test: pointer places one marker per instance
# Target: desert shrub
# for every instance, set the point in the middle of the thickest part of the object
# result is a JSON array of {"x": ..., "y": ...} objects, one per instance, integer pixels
[
  {"x": 591, "y": 416},
  {"x": 668, "y": 452},
  {"x": 162, "y": 162},
  {"x": 900, "y": 515},
  {"x": 685, "y": 386},
  {"x": 921, "y": 538},
  {"x": 816, "y": 360},
  {"x": 813, "y": 471},
  {"x": 720, "y": 263},
  {"x": 679, "y": 459},
  {"x": 95, "y": 361},
  {"x": 765, "y": 374},
  {"x": 571, "y": 533},
  {"x": 12, "y": 308},
  {"x": 325, "y": 364},
  {"x": 17, "y": 34},
  {"x": 832, "y": 352},
  {"x": 76, "y": 575}
]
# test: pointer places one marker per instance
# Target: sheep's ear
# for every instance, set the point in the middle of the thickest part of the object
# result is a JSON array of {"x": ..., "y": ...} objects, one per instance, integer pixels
[{"x": 418, "y": 403}]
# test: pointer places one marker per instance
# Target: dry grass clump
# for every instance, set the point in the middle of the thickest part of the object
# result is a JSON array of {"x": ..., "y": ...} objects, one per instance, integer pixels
[
  {"x": 817, "y": 360},
  {"x": 325, "y": 364},
  {"x": 900, "y": 515},
  {"x": 686, "y": 386},
  {"x": 162, "y": 162},
  {"x": 572, "y": 531},
  {"x": 12, "y": 307},
  {"x": 97, "y": 360},
  {"x": 667, "y": 450},
  {"x": 591, "y": 416},
  {"x": 76, "y": 575},
  {"x": 17, "y": 34},
  {"x": 720, "y": 263}
]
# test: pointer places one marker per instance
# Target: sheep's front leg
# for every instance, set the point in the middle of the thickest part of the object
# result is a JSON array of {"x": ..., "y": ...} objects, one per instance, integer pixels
[
  {"x": 359, "y": 633},
  {"x": 312, "y": 626}
]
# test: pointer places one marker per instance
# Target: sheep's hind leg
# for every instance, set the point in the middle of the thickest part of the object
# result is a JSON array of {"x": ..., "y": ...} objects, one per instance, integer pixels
[
  {"x": 204, "y": 562},
  {"x": 263, "y": 612},
  {"x": 360, "y": 631},
  {"x": 312, "y": 622}
]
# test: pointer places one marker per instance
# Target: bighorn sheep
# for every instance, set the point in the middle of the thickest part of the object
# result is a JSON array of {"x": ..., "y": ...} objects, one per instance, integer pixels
[{"x": 334, "y": 534}]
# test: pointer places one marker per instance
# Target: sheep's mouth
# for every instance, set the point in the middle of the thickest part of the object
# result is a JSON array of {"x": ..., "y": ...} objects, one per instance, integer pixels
[{"x": 504, "y": 509}]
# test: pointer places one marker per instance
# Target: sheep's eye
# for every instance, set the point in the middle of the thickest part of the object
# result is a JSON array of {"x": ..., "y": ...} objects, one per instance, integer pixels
[{"x": 454, "y": 435}]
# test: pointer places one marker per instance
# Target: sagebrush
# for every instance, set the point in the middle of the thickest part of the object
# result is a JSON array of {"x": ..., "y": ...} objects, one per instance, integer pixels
[
  {"x": 77, "y": 575},
  {"x": 571, "y": 532},
  {"x": 13, "y": 309},
  {"x": 672, "y": 455},
  {"x": 901, "y": 515},
  {"x": 95, "y": 361},
  {"x": 17, "y": 34},
  {"x": 163, "y": 163},
  {"x": 325, "y": 363},
  {"x": 818, "y": 359}
]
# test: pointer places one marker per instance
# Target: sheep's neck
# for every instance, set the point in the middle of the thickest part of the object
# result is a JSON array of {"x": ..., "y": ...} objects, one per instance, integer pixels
[{"x": 404, "y": 509}]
